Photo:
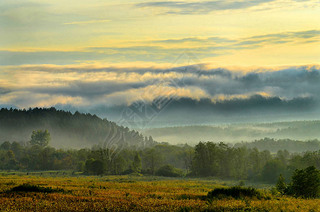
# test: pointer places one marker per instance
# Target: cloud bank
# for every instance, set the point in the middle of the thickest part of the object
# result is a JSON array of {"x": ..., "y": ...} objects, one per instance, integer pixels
[{"x": 198, "y": 86}]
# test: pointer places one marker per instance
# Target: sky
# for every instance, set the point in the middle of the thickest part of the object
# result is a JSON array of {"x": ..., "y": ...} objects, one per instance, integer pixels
[{"x": 89, "y": 55}]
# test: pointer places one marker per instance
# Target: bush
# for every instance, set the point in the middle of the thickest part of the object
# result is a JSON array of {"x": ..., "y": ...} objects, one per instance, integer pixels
[
  {"x": 236, "y": 192},
  {"x": 169, "y": 171},
  {"x": 281, "y": 185},
  {"x": 26, "y": 187},
  {"x": 95, "y": 167}
]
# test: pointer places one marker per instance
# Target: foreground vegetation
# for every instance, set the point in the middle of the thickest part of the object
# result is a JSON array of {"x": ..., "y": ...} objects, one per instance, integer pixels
[{"x": 136, "y": 193}]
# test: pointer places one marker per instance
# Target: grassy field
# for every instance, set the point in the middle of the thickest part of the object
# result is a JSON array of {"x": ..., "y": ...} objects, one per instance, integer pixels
[{"x": 59, "y": 192}]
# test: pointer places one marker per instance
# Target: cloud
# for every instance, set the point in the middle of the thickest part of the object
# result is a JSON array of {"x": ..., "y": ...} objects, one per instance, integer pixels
[
  {"x": 195, "y": 40},
  {"x": 279, "y": 38},
  {"x": 4, "y": 91},
  {"x": 88, "y": 90},
  {"x": 26, "y": 99},
  {"x": 157, "y": 51},
  {"x": 92, "y": 83},
  {"x": 46, "y": 57},
  {"x": 198, "y": 91},
  {"x": 248, "y": 42},
  {"x": 244, "y": 104},
  {"x": 201, "y": 7},
  {"x": 189, "y": 111},
  {"x": 100, "y": 54},
  {"x": 87, "y": 22}
]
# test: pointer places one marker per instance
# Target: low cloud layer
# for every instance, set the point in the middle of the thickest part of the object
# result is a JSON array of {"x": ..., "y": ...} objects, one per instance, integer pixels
[{"x": 91, "y": 85}]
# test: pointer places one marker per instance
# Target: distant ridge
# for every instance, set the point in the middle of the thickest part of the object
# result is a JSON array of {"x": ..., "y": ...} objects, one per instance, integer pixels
[
  {"x": 68, "y": 130},
  {"x": 238, "y": 132}
]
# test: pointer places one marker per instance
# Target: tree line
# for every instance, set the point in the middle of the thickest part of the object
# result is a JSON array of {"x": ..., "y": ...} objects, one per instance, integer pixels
[
  {"x": 36, "y": 154},
  {"x": 206, "y": 159},
  {"x": 274, "y": 145}
]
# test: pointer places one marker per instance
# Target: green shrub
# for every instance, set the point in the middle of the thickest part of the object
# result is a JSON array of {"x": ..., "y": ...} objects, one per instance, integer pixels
[
  {"x": 169, "y": 171},
  {"x": 95, "y": 167},
  {"x": 236, "y": 192},
  {"x": 26, "y": 187},
  {"x": 281, "y": 186}
]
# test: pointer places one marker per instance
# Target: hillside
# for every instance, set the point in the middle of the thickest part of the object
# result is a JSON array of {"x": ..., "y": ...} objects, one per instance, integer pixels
[
  {"x": 274, "y": 145},
  {"x": 233, "y": 133},
  {"x": 68, "y": 130}
]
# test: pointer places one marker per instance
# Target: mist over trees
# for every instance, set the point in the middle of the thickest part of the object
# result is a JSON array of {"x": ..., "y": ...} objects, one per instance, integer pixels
[
  {"x": 236, "y": 133},
  {"x": 67, "y": 130},
  {"x": 262, "y": 160},
  {"x": 206, "y": 159},
  {"x": 40, "y": 137},
  {"x": 97, "y": 160},
  {"x": 274, "y": 145}
]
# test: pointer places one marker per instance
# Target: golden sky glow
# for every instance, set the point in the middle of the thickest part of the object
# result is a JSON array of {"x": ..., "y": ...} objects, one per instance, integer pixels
[{"x": 110, "y": 32}]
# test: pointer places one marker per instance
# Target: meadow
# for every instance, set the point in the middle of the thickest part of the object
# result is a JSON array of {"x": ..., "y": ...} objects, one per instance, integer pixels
[{"x": 63, "y": 192}]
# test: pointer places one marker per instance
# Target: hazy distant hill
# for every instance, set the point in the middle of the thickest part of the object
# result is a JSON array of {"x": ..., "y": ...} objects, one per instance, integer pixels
[
  {"x": 274, "y": 145},
  {"x": 176, "y": 111},
  {"x": 67, "y": 129},
  {"x": 233, "y": 133}
]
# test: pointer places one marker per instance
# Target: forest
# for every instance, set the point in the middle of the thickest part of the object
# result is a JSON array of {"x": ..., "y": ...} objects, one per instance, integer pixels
[
  {"x": 206, "y": 159},
  {"x": 121, "y": 151},
  {"x": 68, "y": 130}
]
